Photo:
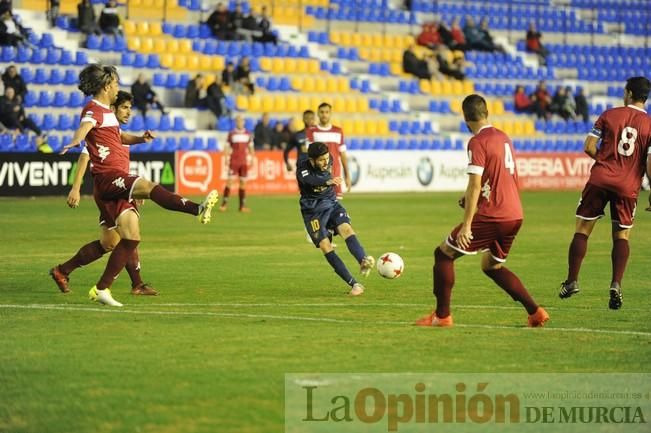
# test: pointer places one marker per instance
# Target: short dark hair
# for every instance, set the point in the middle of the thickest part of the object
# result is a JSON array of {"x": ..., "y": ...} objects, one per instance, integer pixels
[
  {"x": 94, "y": 77},
  {"x": 639, "y": 87},
  {"x": 123, "y": 97},
  {"x": 325, "y": 104},
  {"x": 474, "y": 108},
  {"x": 307, "y": 112},
  {"x": 317, "y": 149}
]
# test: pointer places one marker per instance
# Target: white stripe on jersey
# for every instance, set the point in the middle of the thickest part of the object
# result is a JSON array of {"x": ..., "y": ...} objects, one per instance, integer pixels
[
  {"x": 327, "y": 137},
  {"x": 109, "y": 120},
  {"x": 240, "y": 138},
  {"x": 475, "y": 169}
]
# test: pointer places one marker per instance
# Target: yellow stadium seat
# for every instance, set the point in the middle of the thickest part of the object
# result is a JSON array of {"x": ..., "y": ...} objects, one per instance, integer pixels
[
  {"x": 167, "y": 60},
  {"x": 335, "y": 38},
  {"x": 304, "y": 103},
  {"x": 313, "y": 66},
  {"x": 218, "y": 63},
  {"x": 468, "y": 87},
  {"x": 455, "y": 106},
  {"x": 518, "y": 127},
  {"x": 507, "y": 127},
  {"x": 343, "y": 85},
  {"x": 396, "y": 69},
  {"x": 205, "y": 63},
  {"x": 279, "y": 104},
  {"x": 292, "y": 103},
  {"x": 383, "y": 127},
  {"x": 300, "y": 66},
  {"x": 497, "y": 107},
  {"x": 160, "y": 46},
  {"x": 308, "y": 84},
  {"x": 425, "y": 86},
  {"x": 350, "y": 104},
  {"x": 192, "y": 62},
  {"x": 529, "y": 128},
  {"x": 377, "y": 39},
  {"x": 389, "y": 41},
  {"x": 365, "y": 53},
  {"x": 315, "y": 101},
  {"x": 158, "y": 5},
  {"x": 129, "y": 28},
  {"x": 446, "y": 87},
  {"x": 498, "y": 124},
  {"x": 356, "y": 40},
  {"x": 155, "y": 28},
  {"x": 320, "y": 85},
  {"x": 267, "y": 103},
  {"x": 367, "y": 40},
  {"x": 254, "y": 103},
  {"x": 172, "y": 45},
  {"x": 265, "y": 64},
  {"x": 142, "y": 28},
  {"x": 349, "y": 127},
  {"x": 360, "y": 127},
  {"x": 242, "y": 102},
  {"x": 277, "y": 65},
  {"x": 436, "y": 88},
  {"x": 362, "y": 105},
  {"x": 133, "y": 44},
  {"x": 371, "y": 127},
  {"x": 339, "y": 104},
  {"x": 135, "y": 3},
  {"x": 457, "y": 88},
  {"x": 208, "y": 80},
  {"x": 346, "y": 39},
  {"x": 331, "y": 85},
  {"x": 185, "y": 46},
  {"x": 297, "y": 83},
  {"x": 180, "y": 62}
]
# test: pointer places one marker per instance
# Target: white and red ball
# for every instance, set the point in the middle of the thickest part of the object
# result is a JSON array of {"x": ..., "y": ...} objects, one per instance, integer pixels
[{"x": 390, "y": 265}]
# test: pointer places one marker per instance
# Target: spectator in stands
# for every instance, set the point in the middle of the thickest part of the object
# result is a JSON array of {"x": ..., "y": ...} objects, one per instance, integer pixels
[
  {"x": 250, "y": 28},
  {"x": 263, "y": 134},
  {"x": 144, "y": 95},
  {"x": 11, "y": 78},
  {"x": 562, "y": 105},
  {"x": 281, "y": 136},
  {"x": 53, "y": 11},
  {"x": 411, "y": 64},
  {"x": 429, "y": 36},
  {"x": 521, "y": 101},
  {"x": 458, "y": 41},
  {"x": 13, "y": 116},
  {"x": 86, "y": 19},
  {"x": 534, "y": 45},
  {"x": 109, "y": 20},
  {"x": 215, "y": 98},
  {"x": 193, "y": 92},
  {"x": 541, "y": 101},
  {"x": 228, "y": 75},
  {"x": 219, "y": 23},
  {"x": 243, "y": 76},
  {"x": 475, "y": 38},
  {"x": 236, "y": 23},
  {"x": 582, "y": 108},
  {"x": 11, "y": 32},
  {"x": 264, "y": 24},
  {"x": 487, "y": 38},
  {"x": 448, "y": 64}
]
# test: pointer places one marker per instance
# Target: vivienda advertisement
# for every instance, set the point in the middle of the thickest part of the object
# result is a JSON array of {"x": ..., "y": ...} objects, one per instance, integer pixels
[
  {"x": 199, "y": 172},
  {"x": 34, "y": 174}
]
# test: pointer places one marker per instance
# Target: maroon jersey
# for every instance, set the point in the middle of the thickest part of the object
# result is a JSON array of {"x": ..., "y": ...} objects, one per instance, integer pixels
[
  {"x": 333, "y": 137},
  {"x": 103, "y": 142},
  {"x": 490, "y": 155},
  {"x": 239, "y": 140},
  {"x": 625, "y": 134}
]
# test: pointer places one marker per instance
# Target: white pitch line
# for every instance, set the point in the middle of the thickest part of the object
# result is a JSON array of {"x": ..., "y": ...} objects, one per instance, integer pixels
[{"x": 302, "y": 318}]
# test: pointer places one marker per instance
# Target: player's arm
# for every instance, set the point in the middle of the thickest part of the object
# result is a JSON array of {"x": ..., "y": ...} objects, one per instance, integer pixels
[
  {"x": 344, "y": 164},
  {"x": 292, "y": 143},
  {"x": 130, "y": 139},
  {"x": 74, "y": 195},
  {"x": 470, "y": 207},
  {"x": 317, "y": 178},
  {"x": 590, "y": 146},
  {"x": 79, "y": 135}
]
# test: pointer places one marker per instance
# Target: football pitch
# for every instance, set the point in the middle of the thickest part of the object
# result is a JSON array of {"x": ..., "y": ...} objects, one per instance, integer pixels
[{"x": 245, "y": 300}]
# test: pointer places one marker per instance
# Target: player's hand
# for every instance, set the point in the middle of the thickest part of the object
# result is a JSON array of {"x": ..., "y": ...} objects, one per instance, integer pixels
[
  {"x": 69, "y": 146},
  {"x": 464, "y": 237},
  {"x": 349, "y": 184},
  {"x": 73, "y": 198},
  {"x": 334, "y": 181},
  {"x": 462, "y": 202},
  {"x": 148, "y": 136}
]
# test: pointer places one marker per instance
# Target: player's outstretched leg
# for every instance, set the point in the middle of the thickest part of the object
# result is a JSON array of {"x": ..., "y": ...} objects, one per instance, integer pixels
[
  {"x": 205, "y": 208},
  {"x": 86, "y": 254},
  {"x": 575, "y": 256},
  {"x": 366, "y": 263},
  {"x": 340, "y": 268},
  {"x": 443, "y": 276}
]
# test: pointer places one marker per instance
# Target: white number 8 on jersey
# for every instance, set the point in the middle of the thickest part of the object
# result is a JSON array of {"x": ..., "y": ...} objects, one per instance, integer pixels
[{"x": 629, "y": 135}]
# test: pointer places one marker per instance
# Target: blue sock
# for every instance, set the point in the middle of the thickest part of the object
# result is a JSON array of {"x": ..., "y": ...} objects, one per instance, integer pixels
[
  {"x": 355, "y": 248},
  {"x": 340, "y": 268}
]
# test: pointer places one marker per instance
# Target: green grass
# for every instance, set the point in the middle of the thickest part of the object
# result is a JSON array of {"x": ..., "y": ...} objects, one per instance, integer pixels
[{"x": 210, "y": 354}]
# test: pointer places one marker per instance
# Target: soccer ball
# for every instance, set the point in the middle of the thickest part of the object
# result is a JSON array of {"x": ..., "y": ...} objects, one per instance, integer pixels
[{"x": 390, "y": 265}]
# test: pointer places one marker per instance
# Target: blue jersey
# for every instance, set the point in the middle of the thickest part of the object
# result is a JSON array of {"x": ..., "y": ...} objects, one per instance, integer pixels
[{"x": 312, "y": 183}]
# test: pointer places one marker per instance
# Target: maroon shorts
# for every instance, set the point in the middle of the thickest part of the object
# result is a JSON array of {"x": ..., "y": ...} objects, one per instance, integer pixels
[
  {"x": 238, "y": 168},
  {"x": 495, "y": 237},
  {"x": 112, "y": 193},
  {"x": 593, "y": 202}
]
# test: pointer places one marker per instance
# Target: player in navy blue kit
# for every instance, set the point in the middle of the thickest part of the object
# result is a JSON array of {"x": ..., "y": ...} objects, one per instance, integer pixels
[
  {"x": 299, "y": 140},
  {"x": 322, "y": 212}
]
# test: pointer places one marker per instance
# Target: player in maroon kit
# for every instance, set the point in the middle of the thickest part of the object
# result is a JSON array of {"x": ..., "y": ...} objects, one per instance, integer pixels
[
  {"x": 114, "y": 188},
  {"x": 333, "y": 137},
  {"x": 109, "y": 239},
  {"x": 615, "y": 178},
  {"x": 492, "y": 218},
  {"x": 238, "y": 152}
]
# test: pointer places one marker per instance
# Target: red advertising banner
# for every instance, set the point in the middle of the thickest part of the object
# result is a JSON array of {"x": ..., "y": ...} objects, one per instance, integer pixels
[
  {"x": 199, "y": 172},
  {"x": 553, "y": 170}
]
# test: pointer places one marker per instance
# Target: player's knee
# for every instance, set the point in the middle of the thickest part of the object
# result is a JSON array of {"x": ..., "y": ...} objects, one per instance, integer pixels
[
  {"x": 109, "y": 244},
  {"x": 325, "y": 246},
  {"x": 488, "y": 264},
  {"x": 345, "y": 230},
  {"x": 619, "y": 233}
]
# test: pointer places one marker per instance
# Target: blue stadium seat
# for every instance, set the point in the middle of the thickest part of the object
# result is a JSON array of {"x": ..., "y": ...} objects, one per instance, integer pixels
[
  {"x": 172, "y": 81},
  {"x": 127, "y": 59},
  {"x": 137, "y": 123},
  {"x": 184, "y": 143},
  {"x": 165, "y": 123},
  {"x": 199, "y": 143},
  {"x": 56, "y": 76},
  {"x": 53, "y": 56},
  {"x": 40, "y": 77},
  {"x": 153, "y": 61},
  {"x": 151, "y": 123},
  {"x": 60, "y": 99},
  {"x": 76, "y": 100},
  {"x": 44, "y": 98},
  {"x": 139, "y": 61},
  {"x": 46, "y": 41},
  {"x": 170, "y": 144},
  {"x": 81, "y": 58},
  {"x": 179, "y": 124},
  {"x": 65, "y": 122},
  {"x": 49, "y": 122},
  {"x": 158, "y": 80},
  {"x": 211, "y": 144}
]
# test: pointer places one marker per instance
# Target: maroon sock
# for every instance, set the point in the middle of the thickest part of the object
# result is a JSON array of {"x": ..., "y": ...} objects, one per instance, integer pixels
[
  {"x": 242, "y": 197},
  {"x": 227, "y": 193},
  {"x": 619, "y": 257},
  {"x": 116, "y": 262},
  {"x": 443, "y": 281},
  {"x": 133, "y": 268},
  {"x": 512, "y": 285},
  {"x": 86, "y": 254},
  {"x": 171, "y": 201},
  {"x": 578, "y": 248}
]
